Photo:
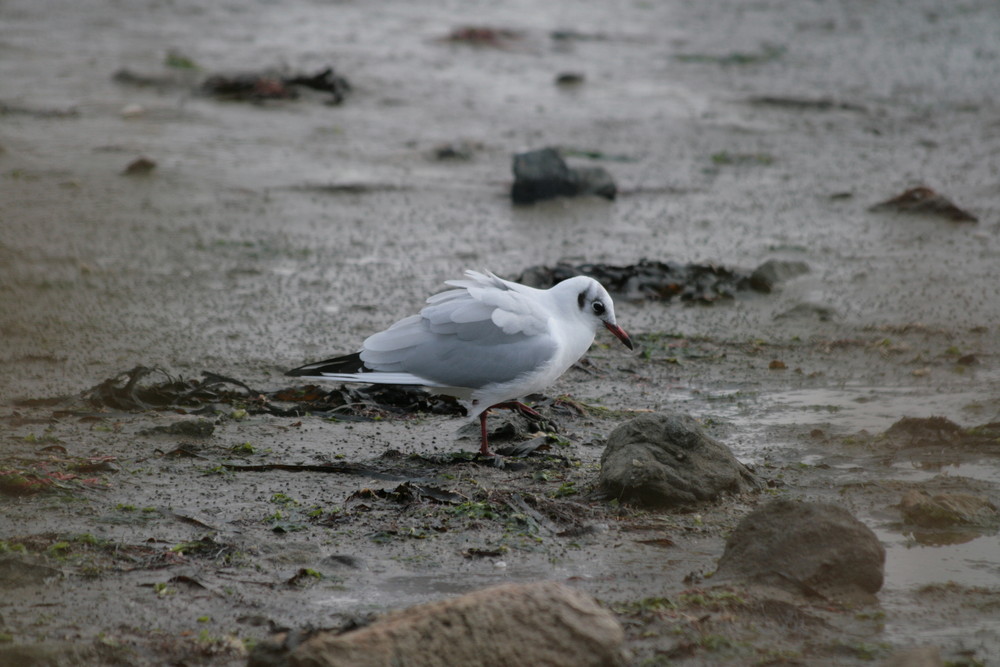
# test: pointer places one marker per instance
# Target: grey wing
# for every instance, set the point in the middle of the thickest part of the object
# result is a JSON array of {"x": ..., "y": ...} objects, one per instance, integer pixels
[{"x": 455, "y": 342}]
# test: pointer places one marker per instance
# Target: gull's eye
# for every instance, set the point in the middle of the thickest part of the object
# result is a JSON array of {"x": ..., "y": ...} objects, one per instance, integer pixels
[{"x": 598, "y": 308}]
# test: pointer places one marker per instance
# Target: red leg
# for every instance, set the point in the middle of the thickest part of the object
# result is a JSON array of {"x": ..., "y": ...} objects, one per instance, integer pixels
[{"x": 484, "y": 448}]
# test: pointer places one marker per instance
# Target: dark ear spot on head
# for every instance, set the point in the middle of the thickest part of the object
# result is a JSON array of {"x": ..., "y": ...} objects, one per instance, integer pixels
[{"x": 582, "y": 299}]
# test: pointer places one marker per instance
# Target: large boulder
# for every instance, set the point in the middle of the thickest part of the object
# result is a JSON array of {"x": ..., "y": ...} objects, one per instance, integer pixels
[
  {"x": 666, "y": 460},
  {"x": 545, "y": 623},
  {"x": 806, "y": 548}
]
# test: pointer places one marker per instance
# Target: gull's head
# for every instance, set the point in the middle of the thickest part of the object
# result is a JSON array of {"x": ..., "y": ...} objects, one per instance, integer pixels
[{"x": 594, "y": 305}]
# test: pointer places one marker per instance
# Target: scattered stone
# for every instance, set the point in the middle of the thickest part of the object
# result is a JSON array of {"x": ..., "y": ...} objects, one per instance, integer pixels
[
  {"x": 139, "y": 167},
  {"x": 569, "y": 79},
  {"x": 922, "y": 200},
  {"x": 543, "y": 174},
  {"x": 666, "y": 460},
  {"x": 545, "y": 623},
  {"x": 777, "y": 365},
  {"x": 922, "y": 656},
  {"x": 774, "y": 271},
  {"x": 947, "y": 509},
  {"x": 807, "y": 548}
]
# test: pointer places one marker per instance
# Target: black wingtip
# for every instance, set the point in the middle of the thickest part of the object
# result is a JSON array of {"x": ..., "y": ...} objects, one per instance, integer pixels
[{"x": 349, "y": 363}]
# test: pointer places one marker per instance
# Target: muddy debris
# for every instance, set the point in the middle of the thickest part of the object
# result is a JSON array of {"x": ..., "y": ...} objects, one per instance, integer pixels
[
  {"x": 543, "y": 174},
  {"x": 803, "y": 103},
  {"x": 256, "y": 86},
  {"x": 21, "y": 476},
  {"x": 409, "y": 493},
  {"x": 667, "y": 460},
  {"x": 474, "y": 35},
  {"x": 143, "y": 388},
  {"x": 195, "y": 428},
  {"x": 494, "y": 626},
  {"x": 922, "y": 200},
  {"x": 649, "y": 280},
  {"x": 815, "y": 550},
  {"x": 261, "y": 86}
]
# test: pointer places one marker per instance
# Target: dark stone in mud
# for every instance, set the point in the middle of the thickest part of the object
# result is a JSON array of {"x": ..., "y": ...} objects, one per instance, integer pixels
[
  {"x": 811, "y": 549},
  {"x": 545, "y": 623},
  {"x": 543, "y": 174},
  {"x": 766, "y": 276},
  {"x": 667, "y": 459}
]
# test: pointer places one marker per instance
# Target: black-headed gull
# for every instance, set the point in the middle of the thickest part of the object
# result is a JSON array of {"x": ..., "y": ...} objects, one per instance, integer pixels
[{"x": 487, "y": 342}]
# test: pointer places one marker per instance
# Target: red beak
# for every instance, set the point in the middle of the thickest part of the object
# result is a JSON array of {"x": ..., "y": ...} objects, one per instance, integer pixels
[{"x": 620, "y": 334}]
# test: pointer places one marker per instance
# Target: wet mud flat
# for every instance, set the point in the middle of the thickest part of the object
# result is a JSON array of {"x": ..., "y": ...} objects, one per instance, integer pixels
[{"x": 191, "y": 512}]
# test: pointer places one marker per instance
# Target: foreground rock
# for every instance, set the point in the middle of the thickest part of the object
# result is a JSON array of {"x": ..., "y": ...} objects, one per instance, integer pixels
[
  {"x": 544, "y": 623},
  {"x": 543, "y": 174},
  {"x": 811, "y": 549},
  {"x": 667, "y": 459}
]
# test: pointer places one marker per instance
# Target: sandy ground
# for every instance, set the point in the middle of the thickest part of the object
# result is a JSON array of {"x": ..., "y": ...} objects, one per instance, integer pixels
[{"x": 276, "y": 233}]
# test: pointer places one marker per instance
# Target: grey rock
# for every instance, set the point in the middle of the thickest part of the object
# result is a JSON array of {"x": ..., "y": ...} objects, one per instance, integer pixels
[
  {"x": 543, "y": 174},
  {"x": 667, "y": 459},
  {"x": 807, "y": 548}
]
